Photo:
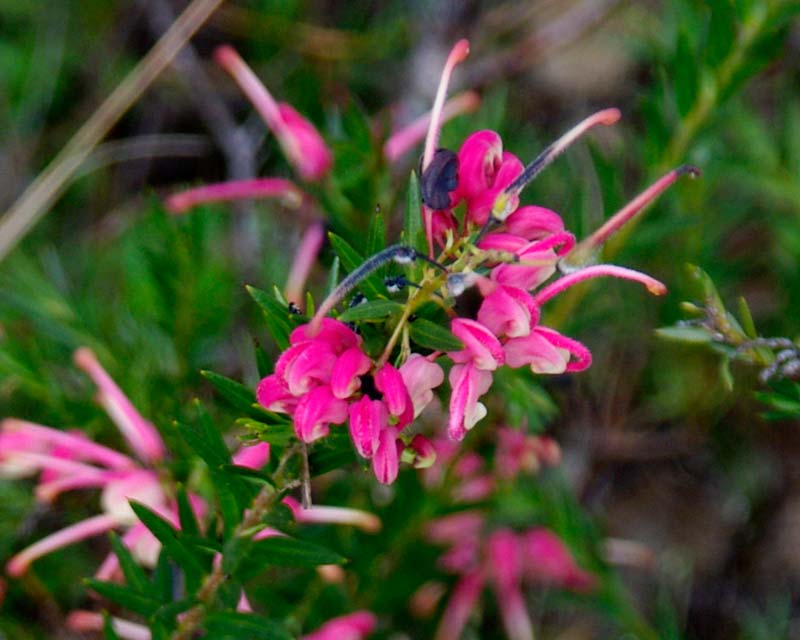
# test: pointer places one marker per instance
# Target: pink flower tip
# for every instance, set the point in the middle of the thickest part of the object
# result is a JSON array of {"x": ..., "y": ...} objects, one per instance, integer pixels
[
  {"x": 460, "y": 51},
  {"x": 608, "y": 117},
  {"x": 226, "y": 56}
]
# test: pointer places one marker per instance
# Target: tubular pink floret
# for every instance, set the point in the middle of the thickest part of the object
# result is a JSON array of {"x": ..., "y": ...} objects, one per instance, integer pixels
[
  {"x": 364, "y": 520},
  {"x": 300, "y": 141},
  {"x": 634, "y": 207},
  {"x": 227, "y": 57},
  {"x": 90, "y": 621},
  {"x": 93, "y": 526},
  {"x": 304, "y": 258},
  {"x": 653, "y": 286},
  {"x": 354, "y": 626},
  {"x": 460, "y": 606},
  {"x": 582, "y": 356},
  {"x": 288, "y": 193},
  {"x": 140, "y": 434},
  {"x": 48, "y": 491},
  {"x": 457, "y": 54},
  {"x": 403, "y": 140},
  {"x": 80, "y": 447},
  {"x": 252, "y": 456}
]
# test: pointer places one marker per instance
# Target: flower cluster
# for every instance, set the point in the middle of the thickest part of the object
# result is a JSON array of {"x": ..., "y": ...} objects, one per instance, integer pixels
[
  {"x": 326, "y": 378},
  {"x": 504, "y": 559},
  {"x": 66, "y": 461},
  {"x": 508, "y": 254}
]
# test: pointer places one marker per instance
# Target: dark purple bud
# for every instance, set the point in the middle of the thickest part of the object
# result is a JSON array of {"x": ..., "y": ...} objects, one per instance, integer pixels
[{"x": 439, "y": 179}]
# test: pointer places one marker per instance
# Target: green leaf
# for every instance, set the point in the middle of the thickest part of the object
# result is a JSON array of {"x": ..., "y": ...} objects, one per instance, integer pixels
[
  {"x": 171, "y": 542},
  {"x": 238, "y": 395},
  {"x": 413, "y": 233},
  {"x": 125, "y": 596},
  {"x": 371, "y": 310},
  {"x": 693, "y": 335},
  {"x": 108, "y": 628},
  {"x": 280, "y": 322},
  {"x": 376, "y": 238},
  {"x": 685, "y": 70},
  {"x": 279, "y": 433},
  {"x": 263, "y": 360},
  {"x": 186, "y": 516},
  {"x": 351, "y": 260},
  {"x": 333, "y": 277},
  {"x": 135, "y": 576},
  {"x": 205, "y": 439},
  {"x": 282, "y": 551},
  {"x": 229, "y": 625},
  {"x": 433, "y": 336}
]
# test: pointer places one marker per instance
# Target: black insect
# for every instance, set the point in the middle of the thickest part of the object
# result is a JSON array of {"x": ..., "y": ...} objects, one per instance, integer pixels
[{"x": 439, "y": 179}]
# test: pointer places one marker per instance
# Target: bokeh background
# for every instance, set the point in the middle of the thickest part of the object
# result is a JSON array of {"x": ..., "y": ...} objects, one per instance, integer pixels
[{"x": 664, "y": 443}]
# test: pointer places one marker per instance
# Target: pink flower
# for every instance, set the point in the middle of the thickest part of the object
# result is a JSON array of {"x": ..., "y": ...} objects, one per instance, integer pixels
[
  {"x": 354, "y": 626},
  {"x": 506, "y": 559},
  {"x": 548, "y": 560},
  {"x": 364, "y": 520},
  {"x": 304, "y": 147},
  {"x": 468, "y": 383},
  {"x": 504, "y": 556},
  {"x": 421, "y": 376}
]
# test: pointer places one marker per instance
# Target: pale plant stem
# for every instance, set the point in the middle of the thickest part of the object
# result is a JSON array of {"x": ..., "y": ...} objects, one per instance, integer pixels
[{"x": 51, "y": 182}]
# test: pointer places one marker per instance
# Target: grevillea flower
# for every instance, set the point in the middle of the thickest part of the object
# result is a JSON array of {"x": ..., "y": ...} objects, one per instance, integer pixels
[
  {"x": 353, "y": 626},
  {"x": 300, "y": 141},
  {"x": 505, "y": 559},
  {"x": 326, "y": 378},
  {"x": 66, "y": 461}
]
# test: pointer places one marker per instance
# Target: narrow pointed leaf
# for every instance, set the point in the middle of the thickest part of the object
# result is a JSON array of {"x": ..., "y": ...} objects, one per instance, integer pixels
[
  {"x": 371, "y": 310},
  {"x": 433, "y": 336},
  {"x": 134, "y": 574}
]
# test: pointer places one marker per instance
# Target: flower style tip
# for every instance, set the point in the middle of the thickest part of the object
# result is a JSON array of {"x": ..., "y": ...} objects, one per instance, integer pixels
[
  {"x": 457, "y": 54},
  {"x": 654, "y": 286},
  {"x": 284, "y": 190},
  {"x": 583, "y": 251},
  {"x": 507, "y": 200},
  {"x": 83, "y": 621},
  {"x": 141, "y": 435}
]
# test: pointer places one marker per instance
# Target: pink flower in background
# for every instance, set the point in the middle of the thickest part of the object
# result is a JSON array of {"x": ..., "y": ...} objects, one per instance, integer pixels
[
  {"x": 301, "y": 142},
  {"x": 353, "y": 626},
  {"x": 66, "y": 461},
  {"x": 505, "y": 559}
]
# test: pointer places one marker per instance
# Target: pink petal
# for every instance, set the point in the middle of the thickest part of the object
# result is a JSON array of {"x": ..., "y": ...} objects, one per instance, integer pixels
[
  {"x": 481, "y": 346},
  {"x": 364, "y": 520},
  {"x": 355, "y": 626},
  {"x": 386, "y": 460},
  {"x": 273, "y": 394},
  {"x": 316, "y": 411},
  {"x": 468, "y": 383},
  {"x": 508, "y": 311},
  {"x": 479, "y": 159},
  {"x": 398, "y": 401},
  {"x": 537, "y": 352},
  {"x": 345, "y": 379},
  {"x": 96, "y": 525},
  {"x": 338, "y": 335},
  {"x": 534, "y": 222},
  {"x": 547, "y": 559},
  {"x": 367, "y": 419},
  {"x": 140, "y": 434},
  {"x": 480, "y": 206},
  {"x": 255, "y": 188},
  {"x": 253, "y": 456},
  {"x": 421, "y": 376},
  {"x": 460, "y": 607}
]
